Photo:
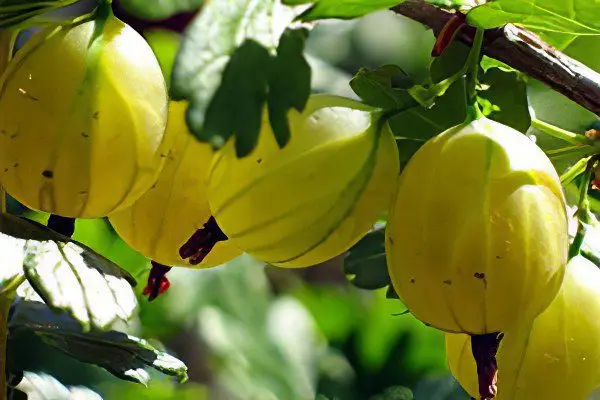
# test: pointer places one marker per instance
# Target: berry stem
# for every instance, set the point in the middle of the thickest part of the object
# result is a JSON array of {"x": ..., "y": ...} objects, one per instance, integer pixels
[
  {"x": 484, "y": 348},
  {"x": 558, "y": 133},
  {"x": 471, "y": 78},
  {"x": 583, "y": 209}
]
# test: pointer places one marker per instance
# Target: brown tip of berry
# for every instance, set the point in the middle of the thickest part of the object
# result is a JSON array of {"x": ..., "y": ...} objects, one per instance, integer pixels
[
  {"x": 202, "y": 242},
  {"x": 484, "y": 348},
  {"x": 157, "y": 281}
]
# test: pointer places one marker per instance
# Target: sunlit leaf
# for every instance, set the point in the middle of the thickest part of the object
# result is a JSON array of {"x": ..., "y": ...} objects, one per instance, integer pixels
[
  {"x": 67, "y": 275},
  {"x": 38, "y": 386},
  {"x": 572, "y": 17},
  {"x": 159, "y": 9},
  {"x": 343, "y": 9}
]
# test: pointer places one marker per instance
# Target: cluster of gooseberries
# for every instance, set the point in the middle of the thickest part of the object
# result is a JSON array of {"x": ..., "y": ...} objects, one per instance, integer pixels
[{"x": 476, "y": 239}]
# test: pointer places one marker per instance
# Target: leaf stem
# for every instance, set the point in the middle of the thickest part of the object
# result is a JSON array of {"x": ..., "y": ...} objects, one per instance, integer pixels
[
  {"x": 558, "y": 133},
  {"x": 471, "y": 79},
  {"x": 5, "y": 303}
]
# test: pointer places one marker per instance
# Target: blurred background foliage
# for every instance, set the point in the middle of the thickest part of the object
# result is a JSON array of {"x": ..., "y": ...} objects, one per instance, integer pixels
[{"x": 250, "y": 331}]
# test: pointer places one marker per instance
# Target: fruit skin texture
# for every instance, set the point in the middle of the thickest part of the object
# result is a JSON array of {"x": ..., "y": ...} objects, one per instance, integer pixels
[
  {"x": 164, "y": 218},
  {"x": 477, "y": 238},
  {"x": 555, "y": 359},
  {"x": 313, "y": 199},
  {"x": 82, "y": 120}
]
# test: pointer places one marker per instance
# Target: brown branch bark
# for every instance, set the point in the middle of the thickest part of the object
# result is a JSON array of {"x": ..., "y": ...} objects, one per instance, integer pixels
[{"x": 523, "y": 51}]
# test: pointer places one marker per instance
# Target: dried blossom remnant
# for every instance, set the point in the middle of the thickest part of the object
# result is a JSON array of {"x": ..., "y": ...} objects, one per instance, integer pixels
[
  {"x": 448, "y": 33},
  {"x": 484, "y": 348},
  {"x": 157, "y": 281},
  {"x": 202, "y": 242}
]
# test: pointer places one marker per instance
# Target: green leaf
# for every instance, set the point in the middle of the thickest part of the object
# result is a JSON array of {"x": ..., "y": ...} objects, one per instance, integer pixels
[
  {"x": 508, "y": 92},
  {"x": 489, "y": 63},
  {"x": 342, "y": 9},
  {"x": 573, "y": 17},
  {"x": 68, "y": 275},
  {"x": 366, "y": 262},
  {"x": 229, "y": 56},
  {"x": 374, "y": 87},
  {"x": 123, "y": 355},
  {"x": 159, "y": 9},
  {"x": 44, "y": 386}
]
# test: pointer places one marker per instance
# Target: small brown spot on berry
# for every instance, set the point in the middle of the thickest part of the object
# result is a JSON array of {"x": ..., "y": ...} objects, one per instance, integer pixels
[
  {"x": 85, "y": 134},
  {"x": 391, "y": 240},
  {"x": 15, "y": 165},
  {"x": 48, "y": 174},
  {"x": 96, "y": 114},
  {"x": 479, "y": 275},
  {"x": 14, "y": 135},
  {"x": 412, "y": 280},
  {"x": 258, "y": 161},
  {"x": 447, "y": 282},
  {"x": 5, "y": 169}
]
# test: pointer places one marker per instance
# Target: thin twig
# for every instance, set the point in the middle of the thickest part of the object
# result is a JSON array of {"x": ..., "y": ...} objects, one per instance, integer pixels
[{"x": 523, "y": 51}]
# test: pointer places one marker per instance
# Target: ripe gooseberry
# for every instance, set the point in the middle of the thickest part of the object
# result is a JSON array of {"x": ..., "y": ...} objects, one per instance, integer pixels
[
  {"x": 477, "y": 238},
  {"x": 168, "y": 214},
  {"x": 83, "y": 110},
  {"x": 556, "y": 357},
  {"x": 317, "y": 196}
]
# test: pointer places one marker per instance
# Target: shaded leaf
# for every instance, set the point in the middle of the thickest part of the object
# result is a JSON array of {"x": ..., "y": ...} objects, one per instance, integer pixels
[
  {"x": 123, "y": 355},
  {"x": 440, "y": 388},
  {"x": 343, "y": 9},
  {"x": 366, "y": 262},
  {"x": 507, "y": 91},
  {"x": 291, "y": 89},
  {"x": 240, "y": 93},
  {"x": 374, "y": 87},
  {"x": 68, "y": 275},
  {"x": 40, "y": 386},
  {"x": 159, "y": 9},
  {"x": 395, "y": 393},
  {"x": 228, "y": 57},
  {"x": 415, "y": 126}
]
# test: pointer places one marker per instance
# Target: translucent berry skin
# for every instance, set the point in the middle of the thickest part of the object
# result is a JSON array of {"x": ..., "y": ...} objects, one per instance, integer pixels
[
  {"x": 315, "y": 198},
  {"x": 83, "y": 111},
  {"x": 477, "y": 238},
  {"x": 164, "y": 218},
  {"x": 556, "y": 357}
]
